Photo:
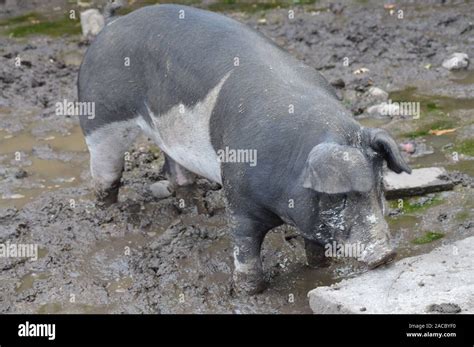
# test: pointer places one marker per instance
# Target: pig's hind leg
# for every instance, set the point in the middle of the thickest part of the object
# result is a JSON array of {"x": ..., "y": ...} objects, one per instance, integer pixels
[{"x": 107, "y": 147}]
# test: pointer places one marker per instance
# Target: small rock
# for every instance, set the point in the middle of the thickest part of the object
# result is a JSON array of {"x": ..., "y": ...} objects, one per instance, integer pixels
[
  {"x": 420, "y": 181},
  {"x": 338, "y": 83},
  {"x": 92, "y": 22},
  {"x": 161, "y": 189},
  {"x": 456, "y": 61},
  {"x": 422, "y": 149},
  {"x": 336, "y": 8},
  {"x": 363, "y": 83},
  {"x": 360, "y": 71},
  {"x": 35, "y": 83},
  {"x": 383, "y": 110},
  {"x": 20, "y": 173},
  {"x": 378, "y": 93},
  {"x": 26, "y": 63},
  {"x": 214, "y": 201}
]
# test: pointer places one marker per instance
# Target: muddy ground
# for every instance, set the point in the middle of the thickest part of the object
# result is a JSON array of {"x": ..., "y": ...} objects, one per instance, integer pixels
[{"x": 145, "y": 255}]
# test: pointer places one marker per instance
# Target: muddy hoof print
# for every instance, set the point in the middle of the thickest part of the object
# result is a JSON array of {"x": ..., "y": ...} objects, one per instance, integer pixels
[
  {"x": 249, "y": 284},
  {"x": 108, "y": 197}
]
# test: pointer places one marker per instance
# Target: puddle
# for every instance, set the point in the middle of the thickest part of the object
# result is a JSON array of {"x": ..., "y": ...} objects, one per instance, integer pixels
[
  {"x": 463, "y": 77},
  {"x": 25, "y": 141},
  {"x": 73, "y": 58},
  {"x": 72, "y": 142},
  {"x": 42, "y": 174},
  {"x": 441, "y": 154},
  {"x": 432, "y": 102},
  {"x": 438, "y": 113},
  {"x": 46, "y": 175},
  {"x": 50, "y": 308},
  {"x": 120, "y": 285},
  {"x": 372, "y": 122},
  {"x": 27, "y": 281}
]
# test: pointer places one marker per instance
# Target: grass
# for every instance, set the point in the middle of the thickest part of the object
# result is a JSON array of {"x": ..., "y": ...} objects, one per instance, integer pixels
[
  {"x": 462, "y": 216},
  {"x": 428, "y": 237},
  {"x": 35, "y": 24},
  {"x": 465, "y": 147},
  {"x": 249, "y": 6},
  {"x": 255, "y": 6},
  {"x": 409, "y": 206},
  {"x": 26, "y": 18},
  {"x": 431, "y": 106},
  {"x": 425, "y": 129}
]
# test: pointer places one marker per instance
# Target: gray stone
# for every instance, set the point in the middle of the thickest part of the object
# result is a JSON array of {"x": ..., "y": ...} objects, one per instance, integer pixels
[
  {"x": 161, "y": 189},
  {"x": 383, "y": 110},
  {"x": 92, "y": 22},
  {"x": 456, "y": 61},
  {"x": 378, "y": 93},
  {"x": 420, "y": 181},
  {"x": 440, "y": 281}
]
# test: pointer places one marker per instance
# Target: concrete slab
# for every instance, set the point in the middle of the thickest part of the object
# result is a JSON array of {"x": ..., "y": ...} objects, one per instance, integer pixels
[
  {"x": 440, "y": 281},
  {"x": 420, "y": 181}
]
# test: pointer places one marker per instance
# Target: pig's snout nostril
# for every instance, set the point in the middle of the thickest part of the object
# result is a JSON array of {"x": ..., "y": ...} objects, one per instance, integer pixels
[{"x": 387, "y": 258}]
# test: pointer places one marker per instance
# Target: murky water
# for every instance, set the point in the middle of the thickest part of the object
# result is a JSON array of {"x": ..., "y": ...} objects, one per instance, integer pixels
[{"x": 43, "y": 174}]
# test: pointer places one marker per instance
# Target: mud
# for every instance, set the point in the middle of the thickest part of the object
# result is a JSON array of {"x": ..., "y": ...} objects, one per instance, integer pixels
[{"x": 174, "y": 255}]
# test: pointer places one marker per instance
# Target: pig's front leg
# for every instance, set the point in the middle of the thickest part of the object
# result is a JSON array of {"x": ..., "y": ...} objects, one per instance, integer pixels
[
  {"x": 315, "y": 255},
  {"x": 248, "y": 272}
]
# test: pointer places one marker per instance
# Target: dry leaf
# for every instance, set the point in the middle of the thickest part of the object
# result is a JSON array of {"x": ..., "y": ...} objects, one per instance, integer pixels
[
  {"x": 441, "y": 132},
  {"x": 389, "y": 6}
]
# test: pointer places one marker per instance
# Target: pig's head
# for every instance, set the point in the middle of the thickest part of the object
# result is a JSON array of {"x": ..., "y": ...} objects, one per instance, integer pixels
[{"x": 345, "y": 184}]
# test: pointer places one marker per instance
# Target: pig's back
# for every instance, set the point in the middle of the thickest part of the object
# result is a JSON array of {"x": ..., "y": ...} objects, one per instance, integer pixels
[{"x": 177, "y": 54}]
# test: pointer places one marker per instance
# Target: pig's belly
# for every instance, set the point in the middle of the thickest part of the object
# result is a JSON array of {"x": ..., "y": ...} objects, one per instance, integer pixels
[{"x": 183, "y": 133}]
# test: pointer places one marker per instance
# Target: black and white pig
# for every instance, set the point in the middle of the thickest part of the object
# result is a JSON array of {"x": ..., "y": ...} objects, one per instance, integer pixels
[{"x": 199, "y": 83}]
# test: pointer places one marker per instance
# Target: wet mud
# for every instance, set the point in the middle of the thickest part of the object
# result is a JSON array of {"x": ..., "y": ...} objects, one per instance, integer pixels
[{"x": 145, "y": 255}]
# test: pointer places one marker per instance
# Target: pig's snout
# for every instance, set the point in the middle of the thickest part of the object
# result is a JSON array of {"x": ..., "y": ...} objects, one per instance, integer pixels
[{"x": 377, "y": 255}]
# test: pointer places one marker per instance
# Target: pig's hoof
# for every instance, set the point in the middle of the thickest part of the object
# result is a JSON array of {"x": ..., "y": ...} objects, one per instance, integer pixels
[
  {"x": 161, "y": 189},
  {"x": 249, "y": 284}
]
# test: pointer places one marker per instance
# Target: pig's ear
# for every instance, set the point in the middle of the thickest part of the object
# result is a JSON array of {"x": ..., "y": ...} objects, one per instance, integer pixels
[
  {"x": 383, "y": 143},
  {"x": 336, "y": 169}
]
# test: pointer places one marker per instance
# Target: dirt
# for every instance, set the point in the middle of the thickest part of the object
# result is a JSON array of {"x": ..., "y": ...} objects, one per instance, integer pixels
[{"x": 145, "y": 255}]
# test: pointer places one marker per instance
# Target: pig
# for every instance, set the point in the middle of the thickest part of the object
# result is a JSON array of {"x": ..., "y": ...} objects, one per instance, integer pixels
[{"x": 200, "y": 84}]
